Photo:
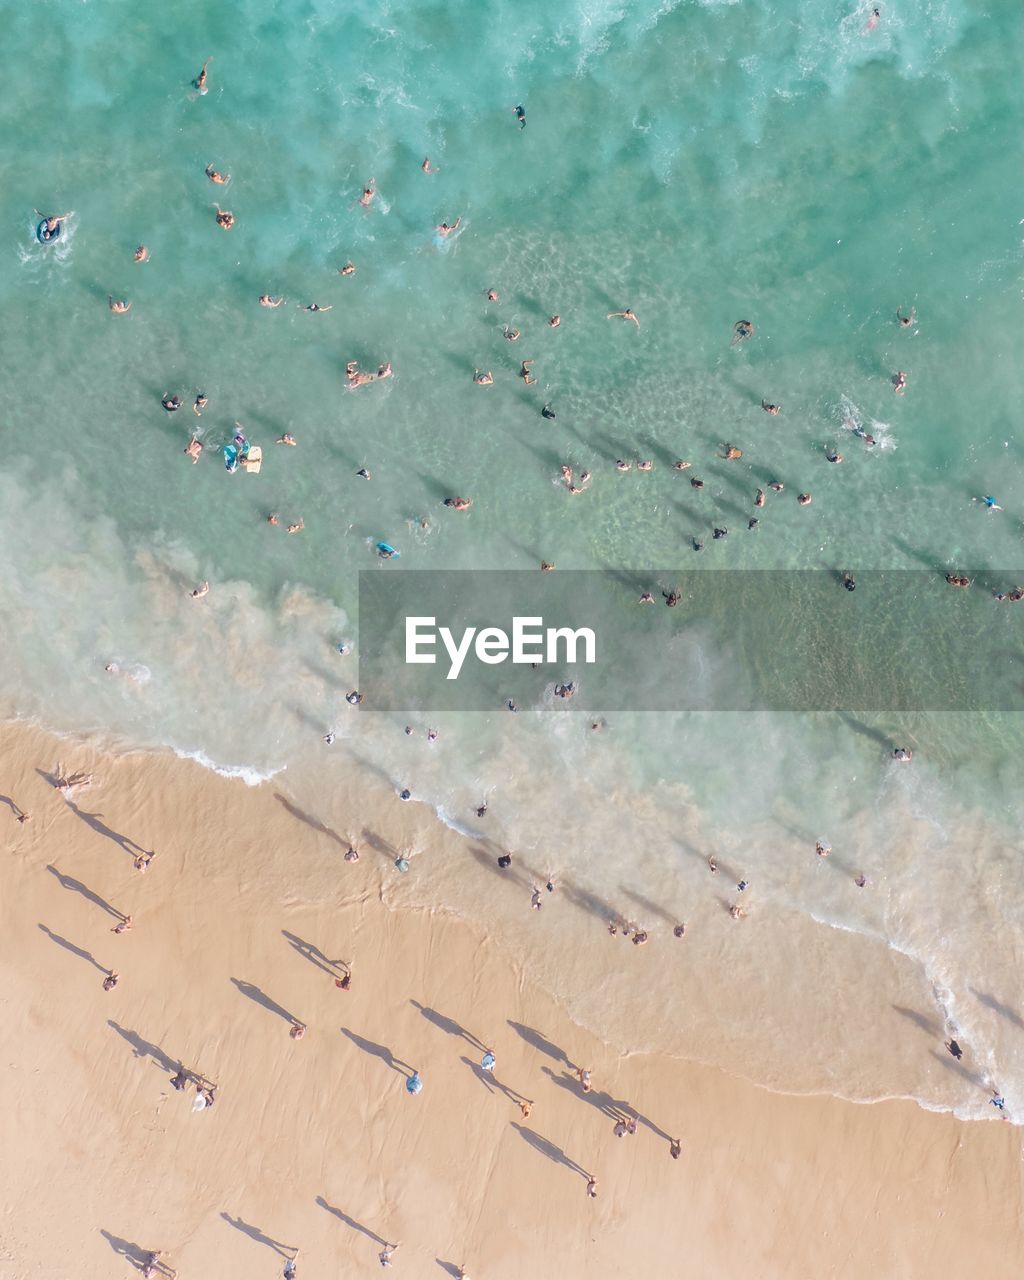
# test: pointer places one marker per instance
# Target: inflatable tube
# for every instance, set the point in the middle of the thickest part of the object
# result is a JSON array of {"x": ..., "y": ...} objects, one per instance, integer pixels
[
  {"x": 230, "y": 458},
  {"x": 48, "y": 237}
]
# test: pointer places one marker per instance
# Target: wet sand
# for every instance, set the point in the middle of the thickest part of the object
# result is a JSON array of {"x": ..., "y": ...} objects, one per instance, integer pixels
[{"x": 316, "y": 1144}]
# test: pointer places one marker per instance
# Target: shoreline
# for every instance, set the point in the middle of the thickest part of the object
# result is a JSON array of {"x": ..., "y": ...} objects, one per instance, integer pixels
[{"x": 316, "y": 1143}]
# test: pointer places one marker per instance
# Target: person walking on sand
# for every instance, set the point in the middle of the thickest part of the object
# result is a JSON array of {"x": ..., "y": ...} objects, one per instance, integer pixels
[
  {"x": 141, "y": 861},
  {"x": 298, "y": 1030},
  {"x": 290, "y": 1267},
  {"x": 954, "y": 1049},
  {"x": 386, "y": 1254},
  {"x": 535, "y": 899},
  {"x": 583, "y": 1076},
  {"x": 526, "y": 1106},
  {"x": 488, "y": 1061},
  {"x": 628, "y": 314},
  {"x": 110, "y": 981},
  {"x": 675, "y": 1148},
  {"x": 591, "y": 1187},
  {"x": 413, "y": 1085},
  {"x": 123, "y": 925}
]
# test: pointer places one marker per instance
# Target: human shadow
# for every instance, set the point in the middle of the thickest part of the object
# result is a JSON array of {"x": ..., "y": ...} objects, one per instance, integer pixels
[
  {"x": 965, "y": 1073},
  {"x": 94, "y": 821},
  {"x": 652, "y": 908},
  {"x": 75, "y": 951},
  {"x": 134, "y": 1253},
  {"x": 351, "y": 1222},
  {"x": 539, "y": 1042},
  {"x": 547, "y": 1148},
  {"x": 378, "y": 843},
  {"x": 930, "y": 1025},
  {"x": 144, "y": 1048},
  {"x": 588, "y": 901},
  {"x": 997, "y": 1006},
  {"x": 76, "y": 886},
  {"x": 261, "y": 998},
  {"x": 379, "y": 1051},
  {"x": 449, "y": 1025},
  {"x": 254, "y": 1233},
  {"x": 603, "y": 1102},
  {"x": 865, "y": 730},
  {"x": 450, "y": 1268},
  {"x": 16, "y": 809},
  {"x": 314, "y": 955},
  {"x": 492, "y": 1083},
  {"x": 308, "y": 819}
]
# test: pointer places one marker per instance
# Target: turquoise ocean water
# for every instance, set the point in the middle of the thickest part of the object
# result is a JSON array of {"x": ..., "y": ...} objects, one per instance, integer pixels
[{"x": 700, "y": 163}]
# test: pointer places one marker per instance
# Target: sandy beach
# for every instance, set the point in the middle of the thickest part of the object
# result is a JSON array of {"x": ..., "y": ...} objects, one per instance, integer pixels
[{"x": 316, "y": 1144}]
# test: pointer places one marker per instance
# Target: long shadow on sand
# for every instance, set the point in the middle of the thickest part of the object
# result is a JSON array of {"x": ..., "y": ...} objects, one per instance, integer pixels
[
  {"x": 539, "y": 1042},
  {"x": 144, "y": 1049},
  {"x": 351, "y": 1222},
  {"x": 379, "y": 1051},
  {"x": 261, "y": 998},
  {"x": 254, "y": 1233},
  {"x": 76, "y": 886},
  {"x": 75, "y": 951},
  {"x": 547, "y": 1148}
]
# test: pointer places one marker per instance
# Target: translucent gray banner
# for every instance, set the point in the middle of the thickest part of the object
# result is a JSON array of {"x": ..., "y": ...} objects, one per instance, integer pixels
[{"x": 714, "y": 640}]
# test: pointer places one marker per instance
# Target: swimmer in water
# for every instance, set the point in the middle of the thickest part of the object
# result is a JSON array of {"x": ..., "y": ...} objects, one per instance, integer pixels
[
  {"x": 225, "y": 220},
  {"x": 446, "y": 229},
  {"x": 520, "y": 115},
  {"x": 483, "y": 379},
  {"x": 741, "y": 330},
  {"x": 731, "y": 452},
  {"x": 525, "y": 374},
  {"x": 458, "y": 504},
  {"x": 200, "y": 80},
  {"x": 266, "y": 300},
  {"x": 141, "y": 254},
  {"x": 200, "y": 404},
  {"x": 118, "y": 305},
  {"x": 873, "y": 20},
  {"x": 171, "y": 403},
  {"x": 759, "y": 499},
  {"x": 682, "y": 466},
  {"x": 804, "y": 499},
  {"x": 554, "y": 322},
  {"x": 510, "y": 333},
  {"x": 628, "y": 314},
  {"x": 314, "y": 306},
  {"x": 194, "y": 448},
  {"x": 427, "y": 167},
  {"x": 899, "y": 382},
  {"x": 773, "y": 409},
  {"x": 347, "y": 270},
  {"x": 905, "y": 321},
  {"x": 221, "y": 179},
  {"x": 989, "y": 501},
  {"x": 491, "y": 295},
  {"x": 197, "y": 593},
  {"x": 286, "y": 439},
  {"x": 833, "y": 455},
  {"x": 369, "y": 192},
  {"x": 53, "y": 221}
]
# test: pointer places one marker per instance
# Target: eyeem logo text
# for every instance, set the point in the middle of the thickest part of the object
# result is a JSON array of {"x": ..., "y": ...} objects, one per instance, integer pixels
[{"x": 530, "y": 642}]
